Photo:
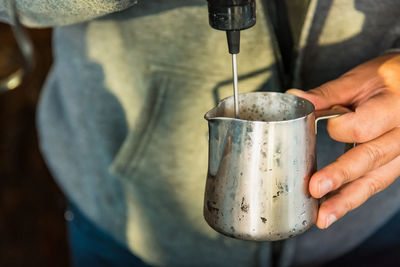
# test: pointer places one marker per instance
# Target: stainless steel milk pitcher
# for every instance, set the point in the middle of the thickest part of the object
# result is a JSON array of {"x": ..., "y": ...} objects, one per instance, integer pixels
[{"x": 260, "y": 165}]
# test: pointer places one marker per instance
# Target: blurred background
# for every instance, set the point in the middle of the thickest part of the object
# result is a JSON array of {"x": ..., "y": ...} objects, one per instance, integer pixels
[
  {"x": 32, "y": 207},
  {"x": 32, "y": 225}
]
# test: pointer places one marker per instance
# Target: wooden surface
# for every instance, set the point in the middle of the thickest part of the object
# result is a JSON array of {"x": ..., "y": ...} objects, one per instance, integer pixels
[{"x": 32, "y": 226}]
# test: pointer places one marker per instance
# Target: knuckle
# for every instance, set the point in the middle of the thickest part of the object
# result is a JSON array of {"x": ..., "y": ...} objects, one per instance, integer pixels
[
  {"x": 360, "y": 133},
  {"x": 374, "y": 153},
  {"x": 343, "y": 176},
  {"x": 325, "y": 91},
  {"x": 374, "y": 186}
]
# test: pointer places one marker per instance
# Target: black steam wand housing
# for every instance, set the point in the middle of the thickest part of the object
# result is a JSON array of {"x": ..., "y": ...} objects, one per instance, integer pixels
[{"x": 232, "y": 16}]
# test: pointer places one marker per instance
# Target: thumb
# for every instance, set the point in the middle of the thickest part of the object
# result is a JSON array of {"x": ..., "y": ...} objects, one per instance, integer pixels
[{"x": 341, "y": 91}]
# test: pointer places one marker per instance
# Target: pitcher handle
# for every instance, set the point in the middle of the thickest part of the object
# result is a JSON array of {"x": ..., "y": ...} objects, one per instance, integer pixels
[
  {"x": 25, "y": 46},
  {"x": 332, "y": 113}
]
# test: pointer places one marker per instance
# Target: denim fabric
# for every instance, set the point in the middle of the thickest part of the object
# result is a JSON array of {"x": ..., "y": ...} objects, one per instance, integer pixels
[
  {"x": 91, "y": 246},
  {"x": 381, "y": 249}
]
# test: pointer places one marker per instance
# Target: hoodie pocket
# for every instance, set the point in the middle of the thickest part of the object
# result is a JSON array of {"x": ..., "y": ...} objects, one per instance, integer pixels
[{"x": 130, "y": 155}]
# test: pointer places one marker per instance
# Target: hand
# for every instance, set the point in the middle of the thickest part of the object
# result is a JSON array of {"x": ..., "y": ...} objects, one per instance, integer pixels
[{"x": 372, "y": 90}]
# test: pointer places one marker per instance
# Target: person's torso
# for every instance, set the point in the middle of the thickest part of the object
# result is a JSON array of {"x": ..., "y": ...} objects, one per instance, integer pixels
[{"x": 123, "y": 128}]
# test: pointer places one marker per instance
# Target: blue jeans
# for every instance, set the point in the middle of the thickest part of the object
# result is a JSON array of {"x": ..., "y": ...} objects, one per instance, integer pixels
[
  {"x": 91, "y": 246},
  {"x": 380, "y": 249}
]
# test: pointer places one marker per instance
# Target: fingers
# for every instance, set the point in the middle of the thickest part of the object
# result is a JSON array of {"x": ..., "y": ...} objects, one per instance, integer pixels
[
  {"x": 330, "y": 93},
  {"x": 355, "y": 163},
  {"x": 356, "y": 193},
  {"x": 355, "y": 86},
  {"x": 372, "y": 91},
  {"x": 371, "y": 119},
  {"x": 347, "y": 90}
]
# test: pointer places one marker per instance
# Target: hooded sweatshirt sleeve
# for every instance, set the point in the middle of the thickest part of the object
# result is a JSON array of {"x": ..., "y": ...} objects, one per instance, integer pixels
[{"x": 49, "y": 13}]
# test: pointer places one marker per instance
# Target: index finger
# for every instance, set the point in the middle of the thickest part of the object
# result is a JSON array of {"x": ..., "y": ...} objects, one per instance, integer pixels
[{"x": 370, "y": 120}]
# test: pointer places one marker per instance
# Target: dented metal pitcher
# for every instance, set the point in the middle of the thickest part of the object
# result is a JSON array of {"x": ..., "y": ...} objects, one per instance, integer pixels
[{"x": 260, "y": 165}]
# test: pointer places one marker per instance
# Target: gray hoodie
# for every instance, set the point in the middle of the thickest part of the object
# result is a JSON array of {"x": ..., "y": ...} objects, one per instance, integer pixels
[{"x": 121, "y": 115}]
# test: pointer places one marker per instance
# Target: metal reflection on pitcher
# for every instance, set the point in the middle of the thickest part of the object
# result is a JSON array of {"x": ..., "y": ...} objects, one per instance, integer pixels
[{"x": 260, "y": 165}]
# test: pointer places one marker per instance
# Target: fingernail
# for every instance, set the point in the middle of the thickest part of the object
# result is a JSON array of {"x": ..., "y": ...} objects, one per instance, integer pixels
[
  {"x": 331, "y": 219},
  {"x": 324, "y": 187},
  {"x": 295, "y": 92}
]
